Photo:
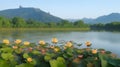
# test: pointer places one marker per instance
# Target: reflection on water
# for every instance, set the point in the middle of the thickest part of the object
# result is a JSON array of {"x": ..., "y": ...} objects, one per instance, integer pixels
[{"x": 107, "y": 40}]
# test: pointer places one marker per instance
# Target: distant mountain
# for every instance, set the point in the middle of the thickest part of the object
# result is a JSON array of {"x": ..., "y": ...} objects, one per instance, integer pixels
[
  {"x": 30, "y": 13},
  {"x": 72, "y": 20},
  {"x": 88, "y": 20},
  {"x": 104, "y": 19},
  {"x": 39, "y": 15}
]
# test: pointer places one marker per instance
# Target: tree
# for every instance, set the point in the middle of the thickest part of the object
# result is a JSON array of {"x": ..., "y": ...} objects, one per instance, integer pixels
[
  {"x": 4, "y": 22},
  {"x": 112, "y": 26},
  {"x": 1, "y": 19},
  {"x": 98, "y": 26},
  {"x": 18, "y": 22},
  {"x": 52, "y": 24},
  {"x": 80, "y": 24},
  {"x": 65, "y": 24}
]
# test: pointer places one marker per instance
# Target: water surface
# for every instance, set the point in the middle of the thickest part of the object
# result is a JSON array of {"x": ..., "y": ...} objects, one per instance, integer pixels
[{"x": 108, "y": 40}]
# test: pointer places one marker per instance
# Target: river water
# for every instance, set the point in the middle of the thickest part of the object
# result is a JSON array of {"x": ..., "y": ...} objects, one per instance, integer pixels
[{"x": 107, "y": 40}]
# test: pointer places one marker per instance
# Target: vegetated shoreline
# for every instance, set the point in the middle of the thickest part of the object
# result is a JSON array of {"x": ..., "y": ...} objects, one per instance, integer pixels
[
  {"x": 46, "y": 29},
  {"x": 54, "y": 29}
]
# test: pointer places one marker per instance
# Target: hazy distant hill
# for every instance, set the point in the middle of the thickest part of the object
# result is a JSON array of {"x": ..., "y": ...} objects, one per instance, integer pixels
[
  {"x": 30, "y": 13},
  {"x": 104, "y": 19},
  {"x": 39, "y": 15},
  {"x": 72, "y": 20}
]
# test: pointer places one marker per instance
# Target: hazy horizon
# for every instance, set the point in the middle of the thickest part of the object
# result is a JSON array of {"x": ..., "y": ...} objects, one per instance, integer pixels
[{"x": 68, "y": 9}]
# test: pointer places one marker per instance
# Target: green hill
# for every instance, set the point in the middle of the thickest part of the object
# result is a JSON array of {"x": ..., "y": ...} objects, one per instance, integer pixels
[{"x": 30, "y": 13}]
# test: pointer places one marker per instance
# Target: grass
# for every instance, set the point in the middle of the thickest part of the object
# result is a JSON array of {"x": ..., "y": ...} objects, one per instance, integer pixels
[{"x": 47, "y": 29}]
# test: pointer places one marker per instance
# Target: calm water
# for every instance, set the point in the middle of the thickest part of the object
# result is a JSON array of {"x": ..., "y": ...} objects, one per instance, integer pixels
[{"x": 108, "y": 40}]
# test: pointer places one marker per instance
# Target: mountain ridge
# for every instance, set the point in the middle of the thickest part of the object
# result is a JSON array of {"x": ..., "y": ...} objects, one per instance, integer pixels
[
  {"x": 112, "y": 17},
  {"x": 42, "y": 16},
  {"x": 30, "y": 13}
]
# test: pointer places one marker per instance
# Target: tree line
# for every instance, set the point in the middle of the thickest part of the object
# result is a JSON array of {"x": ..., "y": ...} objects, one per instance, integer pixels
[
  {"x": 18, "y": 22},
  {"x": 113, "y": 26}
]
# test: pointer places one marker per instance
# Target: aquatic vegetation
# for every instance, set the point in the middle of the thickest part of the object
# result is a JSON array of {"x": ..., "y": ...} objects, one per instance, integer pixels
[
  {"x": 54, "y": 40},
  {"x": 54, "y": 54},
  {"x": 26, "y": 43},
  {"x": 42, "y": 42},
  {"x": 5, "y": 41},
  {"x": 17, "y": 41}
]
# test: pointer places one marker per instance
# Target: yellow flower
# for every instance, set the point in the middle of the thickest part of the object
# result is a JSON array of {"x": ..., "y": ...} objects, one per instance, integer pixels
[
  {"x": 68, "y": 44},
  {"x": 5, "y": 41},
  {"x": 17, "y": 41},
  {"x": 54, "y": 40},
  {"x": 94, "y": 51},
  {"x": 88, "y": 44},
  {"x": 29, "y": 59},
  {"x": 14, "y": 47},
  {"x": 26, "y": 43},
  {"x": 56, "y": 49},
  {"x": 42, "y": 42}
]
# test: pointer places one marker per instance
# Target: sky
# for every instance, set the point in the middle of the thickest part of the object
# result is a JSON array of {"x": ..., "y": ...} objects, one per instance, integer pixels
[{"x": 67, "y": 9}]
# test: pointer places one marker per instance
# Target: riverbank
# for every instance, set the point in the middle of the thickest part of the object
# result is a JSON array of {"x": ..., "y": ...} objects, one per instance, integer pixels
[{"x": 46, "y": 29}]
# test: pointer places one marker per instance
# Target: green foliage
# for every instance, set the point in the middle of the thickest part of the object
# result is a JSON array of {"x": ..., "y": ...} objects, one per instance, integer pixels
[
  {"x": 53, "y": 63},
  {"x": 7, "y": 56},
  {"x": 47, "y": 58},
  {"x": 6, "y": 50},
  {"x": 57, "y": 63},
  {"x": 35, "y": 52},
  {"x": 104, "y": 63},
  {"x": 40, "y": 56},
  {"x": 25, "y": 65},
  {"x": 18, "y": 22},
  {"x": 4, "y": 63},
  {"x": 61, "y": 59},
  {"x": 113, "y": 26},
  {"x": 4, "y": 23},
  {"x": 113, "y": 62},
  {"x": 80, "y": 24},
  {"x": 25, "y": 55}
]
